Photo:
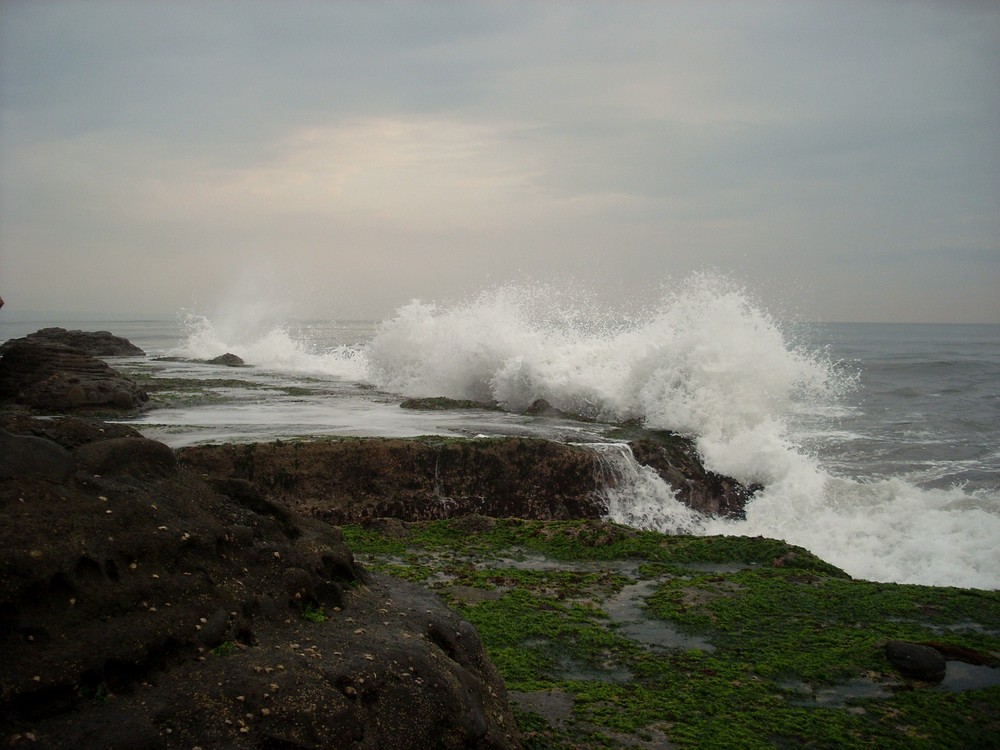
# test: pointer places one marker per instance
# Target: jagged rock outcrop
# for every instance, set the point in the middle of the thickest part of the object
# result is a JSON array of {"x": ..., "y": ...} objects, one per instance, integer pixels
[
  {"x": 355, "y": 479},
  {"x": 675, "y": 459},
  {"x": 94, "y": 343},
  {"x": 55, "y": 377},
  {"x": 144, "y": 608}
]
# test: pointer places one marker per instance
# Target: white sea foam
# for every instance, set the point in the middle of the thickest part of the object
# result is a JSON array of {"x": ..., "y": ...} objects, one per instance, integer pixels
[
  {"x": 706, "y": 361},
  {"x": 269, "y": 346},
  {"x": 709, "y": 363}
]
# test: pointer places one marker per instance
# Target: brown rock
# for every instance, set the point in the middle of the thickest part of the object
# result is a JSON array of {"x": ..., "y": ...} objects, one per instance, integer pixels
[
  {"x": 676, "y": 461},
  {"x": 114, "y": 589},
  {"x": 69, "y": 432},
  {"x": 916, "y": 660},
  {"x": 357, "y": 479},
  {"x": 94, "y": 343},
  {"x": 23, "y": 456},
  {"x": 54, "y": 377}
]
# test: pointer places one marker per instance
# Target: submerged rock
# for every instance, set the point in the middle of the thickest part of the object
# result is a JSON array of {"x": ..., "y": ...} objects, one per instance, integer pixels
[
  {"x": 143, "y": 608},
  {"x": 55, "y": 377},
  {"x": 442, "y": 403}
]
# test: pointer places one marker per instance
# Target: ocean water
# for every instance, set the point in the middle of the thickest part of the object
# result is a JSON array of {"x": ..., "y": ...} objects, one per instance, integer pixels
[{"x": 878, "y": 444}]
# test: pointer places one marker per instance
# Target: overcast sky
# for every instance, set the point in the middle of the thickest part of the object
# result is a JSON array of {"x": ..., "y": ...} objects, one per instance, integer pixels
[{"x": 842, "y": 159}]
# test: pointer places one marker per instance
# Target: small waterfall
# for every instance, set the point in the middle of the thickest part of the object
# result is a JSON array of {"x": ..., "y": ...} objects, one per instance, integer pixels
[{"x": 636, "y": 496}]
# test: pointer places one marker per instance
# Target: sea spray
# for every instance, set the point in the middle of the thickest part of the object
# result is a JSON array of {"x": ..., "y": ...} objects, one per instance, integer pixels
[
  {"x": 270, "y": 346},
  {"x": 704, "y": 362},
  {"x": 636, "y": 496},
  {"x": 708, "y": 361}
]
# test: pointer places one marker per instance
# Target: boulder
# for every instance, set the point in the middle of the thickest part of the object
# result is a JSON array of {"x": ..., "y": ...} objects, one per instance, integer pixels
[
  {"x": 24, "y": 456},
  {"x": 353, "y": 480},
  {"x": 133, "y": 456},
  {"x": 55, "y": 377},
  {"x": 916, "y": 660},
  {"x": 228, "y": 360},
  {"x": 94, "y": 343},
  {"x": 144, "y": 609}
]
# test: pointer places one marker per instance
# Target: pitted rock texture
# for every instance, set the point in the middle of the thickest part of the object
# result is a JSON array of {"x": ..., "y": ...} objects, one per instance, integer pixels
[
  {"x": 94, "y": 343},
  {"x": 141, "y": 607},
  {"x": 54, "y": 377},
  {"x": 353, "y": 480}
]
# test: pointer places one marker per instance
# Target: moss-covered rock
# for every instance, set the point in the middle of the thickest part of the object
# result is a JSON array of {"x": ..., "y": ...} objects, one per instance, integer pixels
[{"x": 608, "y": 637}]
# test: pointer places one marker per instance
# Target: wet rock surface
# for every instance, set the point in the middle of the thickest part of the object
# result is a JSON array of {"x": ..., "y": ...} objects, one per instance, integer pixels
[
  {"x": 58, "y": 378},
  {"x": 228, "y": 360},
  {"x": 675, "y": 459},
  {"x": 916, "y": 660},
  {"x": 142, "y": 607},
  {"x": 94, "y": 343},
  {"x": 352, "y": 480},
  {"x": 356, "y": 479}
]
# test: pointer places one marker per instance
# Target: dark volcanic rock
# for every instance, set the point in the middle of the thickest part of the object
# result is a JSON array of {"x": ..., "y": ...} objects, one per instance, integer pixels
[
  {"x": 138, "y": 457},
  {"x": 143, "y": 609},
  {"x": 228, "y": 359},
  {"x": 357, "y": 479},
  {"x": 352, "y": 480},
  {"x": 55, "y": 377},
  {"x": 94, "y": 343},
  {"x": 69, "y": 432},
  {"x": 676, "y": 460},
  {"x": 916, "y": 661},
  {"x": 23, "y": 456}
]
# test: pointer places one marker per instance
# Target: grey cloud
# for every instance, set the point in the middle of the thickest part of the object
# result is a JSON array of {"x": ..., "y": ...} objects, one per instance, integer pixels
[{"x": 598, "y": 139}]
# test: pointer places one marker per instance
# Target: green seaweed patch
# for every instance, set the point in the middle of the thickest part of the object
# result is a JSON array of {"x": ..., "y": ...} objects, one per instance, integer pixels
[
  {"x": 585, "y": 540},
  {"x": 442, "y": 403},
  {"x": 788, "y": 630},
  {"x": 819, "y": 628},
  {"x": 535, "y": 639},
  {"x": 311, "y": 613}
]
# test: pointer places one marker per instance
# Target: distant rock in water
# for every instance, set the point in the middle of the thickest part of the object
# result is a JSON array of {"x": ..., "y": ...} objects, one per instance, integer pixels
[
  {"x": 542, "y": 408},
  {"x": 443, "y": 403},
  {"x": 228, "y": 359},
  {"x": 94, "y": 343},
  {"x": 55, "y": 377}
]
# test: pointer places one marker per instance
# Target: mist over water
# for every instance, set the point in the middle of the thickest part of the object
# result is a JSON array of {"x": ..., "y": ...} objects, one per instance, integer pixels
[{"x": 763, "y": 405}]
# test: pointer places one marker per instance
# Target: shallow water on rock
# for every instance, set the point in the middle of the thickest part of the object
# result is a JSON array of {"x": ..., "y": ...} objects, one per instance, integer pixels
[
  {"x": 833, "y": 696},
  {"x": 960, "y": 676},
  {"x": 625, "y": 608}
]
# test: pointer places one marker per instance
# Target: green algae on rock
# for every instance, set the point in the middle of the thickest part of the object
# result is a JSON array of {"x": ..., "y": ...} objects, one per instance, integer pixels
[{"x": 791, "y": 654}]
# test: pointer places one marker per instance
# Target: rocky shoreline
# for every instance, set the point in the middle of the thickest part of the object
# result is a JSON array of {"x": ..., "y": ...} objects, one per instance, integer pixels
[{"x": 213, "y": 597}]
